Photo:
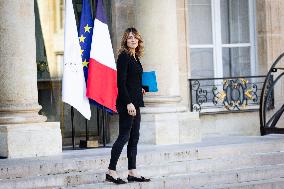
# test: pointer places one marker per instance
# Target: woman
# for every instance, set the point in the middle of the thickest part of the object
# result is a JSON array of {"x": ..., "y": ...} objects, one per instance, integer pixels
[{"x": 128, "y": 103}]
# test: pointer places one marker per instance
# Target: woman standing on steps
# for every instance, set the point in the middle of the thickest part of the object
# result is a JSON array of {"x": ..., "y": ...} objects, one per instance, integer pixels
[{"x": 128, "y": 103}]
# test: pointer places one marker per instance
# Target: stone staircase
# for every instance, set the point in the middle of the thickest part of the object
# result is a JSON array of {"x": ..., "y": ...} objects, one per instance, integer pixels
[{"x": 215, "y": 163}]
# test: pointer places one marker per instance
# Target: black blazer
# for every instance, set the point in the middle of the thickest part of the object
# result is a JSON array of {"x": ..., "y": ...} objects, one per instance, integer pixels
[{"x": 129, "y": 81}]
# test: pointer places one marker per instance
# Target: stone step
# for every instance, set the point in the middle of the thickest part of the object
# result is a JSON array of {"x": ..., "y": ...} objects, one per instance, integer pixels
[
  {"x": 233, "y": 179},
  {"x": 265, "y": 162},
  {"x": 98, "y": 159},
  {"x": 274, "y": 183}
]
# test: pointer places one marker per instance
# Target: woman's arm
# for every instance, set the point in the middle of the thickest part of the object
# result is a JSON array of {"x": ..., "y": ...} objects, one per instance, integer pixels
[{"x": 122, "y": 66}]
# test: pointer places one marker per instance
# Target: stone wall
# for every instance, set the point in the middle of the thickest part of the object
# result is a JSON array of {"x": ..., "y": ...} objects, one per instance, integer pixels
[
  {"x": 230, "y": 124},
  {"x": 270, "y": 39},
  {"x": 52, "y": 34},
  {"x": 122, "y": 17},
  {"x": 183, "y": 55}
]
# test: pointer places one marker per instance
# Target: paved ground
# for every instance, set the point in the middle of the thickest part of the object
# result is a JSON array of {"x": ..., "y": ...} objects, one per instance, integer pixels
[{"x": 142, "y": 148}]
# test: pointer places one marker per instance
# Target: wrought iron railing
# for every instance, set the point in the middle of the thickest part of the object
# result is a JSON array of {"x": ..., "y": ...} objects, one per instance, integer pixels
[
  {"x": 271, "y": 117},
  {"x": 228, "y": 94}
]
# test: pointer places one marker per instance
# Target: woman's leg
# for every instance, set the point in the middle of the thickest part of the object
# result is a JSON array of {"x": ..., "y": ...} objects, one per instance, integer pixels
[
  {"x": 133, "y": 141},
  {"x": 125, "y": 122}
]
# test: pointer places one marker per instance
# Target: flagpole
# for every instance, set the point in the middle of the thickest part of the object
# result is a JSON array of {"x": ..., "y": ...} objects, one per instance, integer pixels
[
  {"x": 73, "y": 129},
  {"x": 103, "y": 126},
  {"x": 87, "y": 129},
  {"x": 98, "y": 121}
]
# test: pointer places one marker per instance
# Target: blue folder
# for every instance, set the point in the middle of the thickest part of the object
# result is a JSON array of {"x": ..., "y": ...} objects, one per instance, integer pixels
[{"x": 149, "y": 81}]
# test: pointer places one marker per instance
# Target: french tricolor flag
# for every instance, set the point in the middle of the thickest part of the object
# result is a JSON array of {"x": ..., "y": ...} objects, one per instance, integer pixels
[{"x": 102, "y": 84}]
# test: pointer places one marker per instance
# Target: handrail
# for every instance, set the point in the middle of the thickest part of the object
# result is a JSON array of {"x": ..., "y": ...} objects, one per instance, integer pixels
[
  {"x": 267, "y": 90},
  {"x": 229, "y": 94}
]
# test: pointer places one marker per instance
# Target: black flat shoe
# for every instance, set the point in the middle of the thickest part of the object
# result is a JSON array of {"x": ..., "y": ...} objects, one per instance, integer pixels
[
  {"x": 116, "y": 181},
  {"x": 137, "y": 179}
]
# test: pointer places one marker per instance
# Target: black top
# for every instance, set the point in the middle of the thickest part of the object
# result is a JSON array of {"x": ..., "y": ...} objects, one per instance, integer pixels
[{"x": 129, "y": 81}]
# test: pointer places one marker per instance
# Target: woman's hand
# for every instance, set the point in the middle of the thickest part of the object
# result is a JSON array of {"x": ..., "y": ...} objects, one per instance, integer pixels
[
  {"x": 143, "y": 91},
  {"x": 131, "y": 109}
]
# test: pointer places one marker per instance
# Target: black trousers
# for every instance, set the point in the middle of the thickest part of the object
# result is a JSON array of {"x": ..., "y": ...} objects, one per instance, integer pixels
[{"x": 129, "y": 127}]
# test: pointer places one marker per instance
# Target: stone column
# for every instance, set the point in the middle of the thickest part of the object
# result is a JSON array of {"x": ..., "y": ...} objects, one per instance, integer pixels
[
  {"x": 122, "y": 18},
  {"x": 157, "y": 22},
  {"x": 165, "y": 119},
  {"x": 23, "y": 132}
]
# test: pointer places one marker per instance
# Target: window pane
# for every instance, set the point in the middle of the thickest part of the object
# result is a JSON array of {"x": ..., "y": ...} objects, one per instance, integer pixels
[
  {"x": 235, "y": 21},
  {"x": 61, "y": 14},
  {"x": 200, "y": 22},
  {"x": 236, "y": 61},
  {"x": 201, "y": 61}
]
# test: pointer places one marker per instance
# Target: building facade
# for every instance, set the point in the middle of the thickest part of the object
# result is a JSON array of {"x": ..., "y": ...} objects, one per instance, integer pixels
[{"x": 198, "y": 48}]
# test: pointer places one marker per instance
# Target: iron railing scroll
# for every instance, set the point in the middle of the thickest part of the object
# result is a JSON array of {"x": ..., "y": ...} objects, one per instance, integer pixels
[
  {"x": 224, "y": 95},
  {"x": 271, "y": 112}
]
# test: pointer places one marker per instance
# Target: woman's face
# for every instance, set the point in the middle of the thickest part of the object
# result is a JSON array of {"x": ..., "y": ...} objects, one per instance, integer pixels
[{"x": 132, "y": 42}]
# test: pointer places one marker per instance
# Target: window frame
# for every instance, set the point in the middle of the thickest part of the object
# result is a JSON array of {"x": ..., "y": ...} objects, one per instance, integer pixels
[
  {"x": 59, "y": 15},
  {"x": 217, "y": 45}
]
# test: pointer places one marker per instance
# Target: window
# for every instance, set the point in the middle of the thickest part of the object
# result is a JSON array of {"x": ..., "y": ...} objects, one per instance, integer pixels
[
  {"x": 221, "y": 38},
  {"x": 59, "y": 15},
  {"x": 59, "y": 63}
]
